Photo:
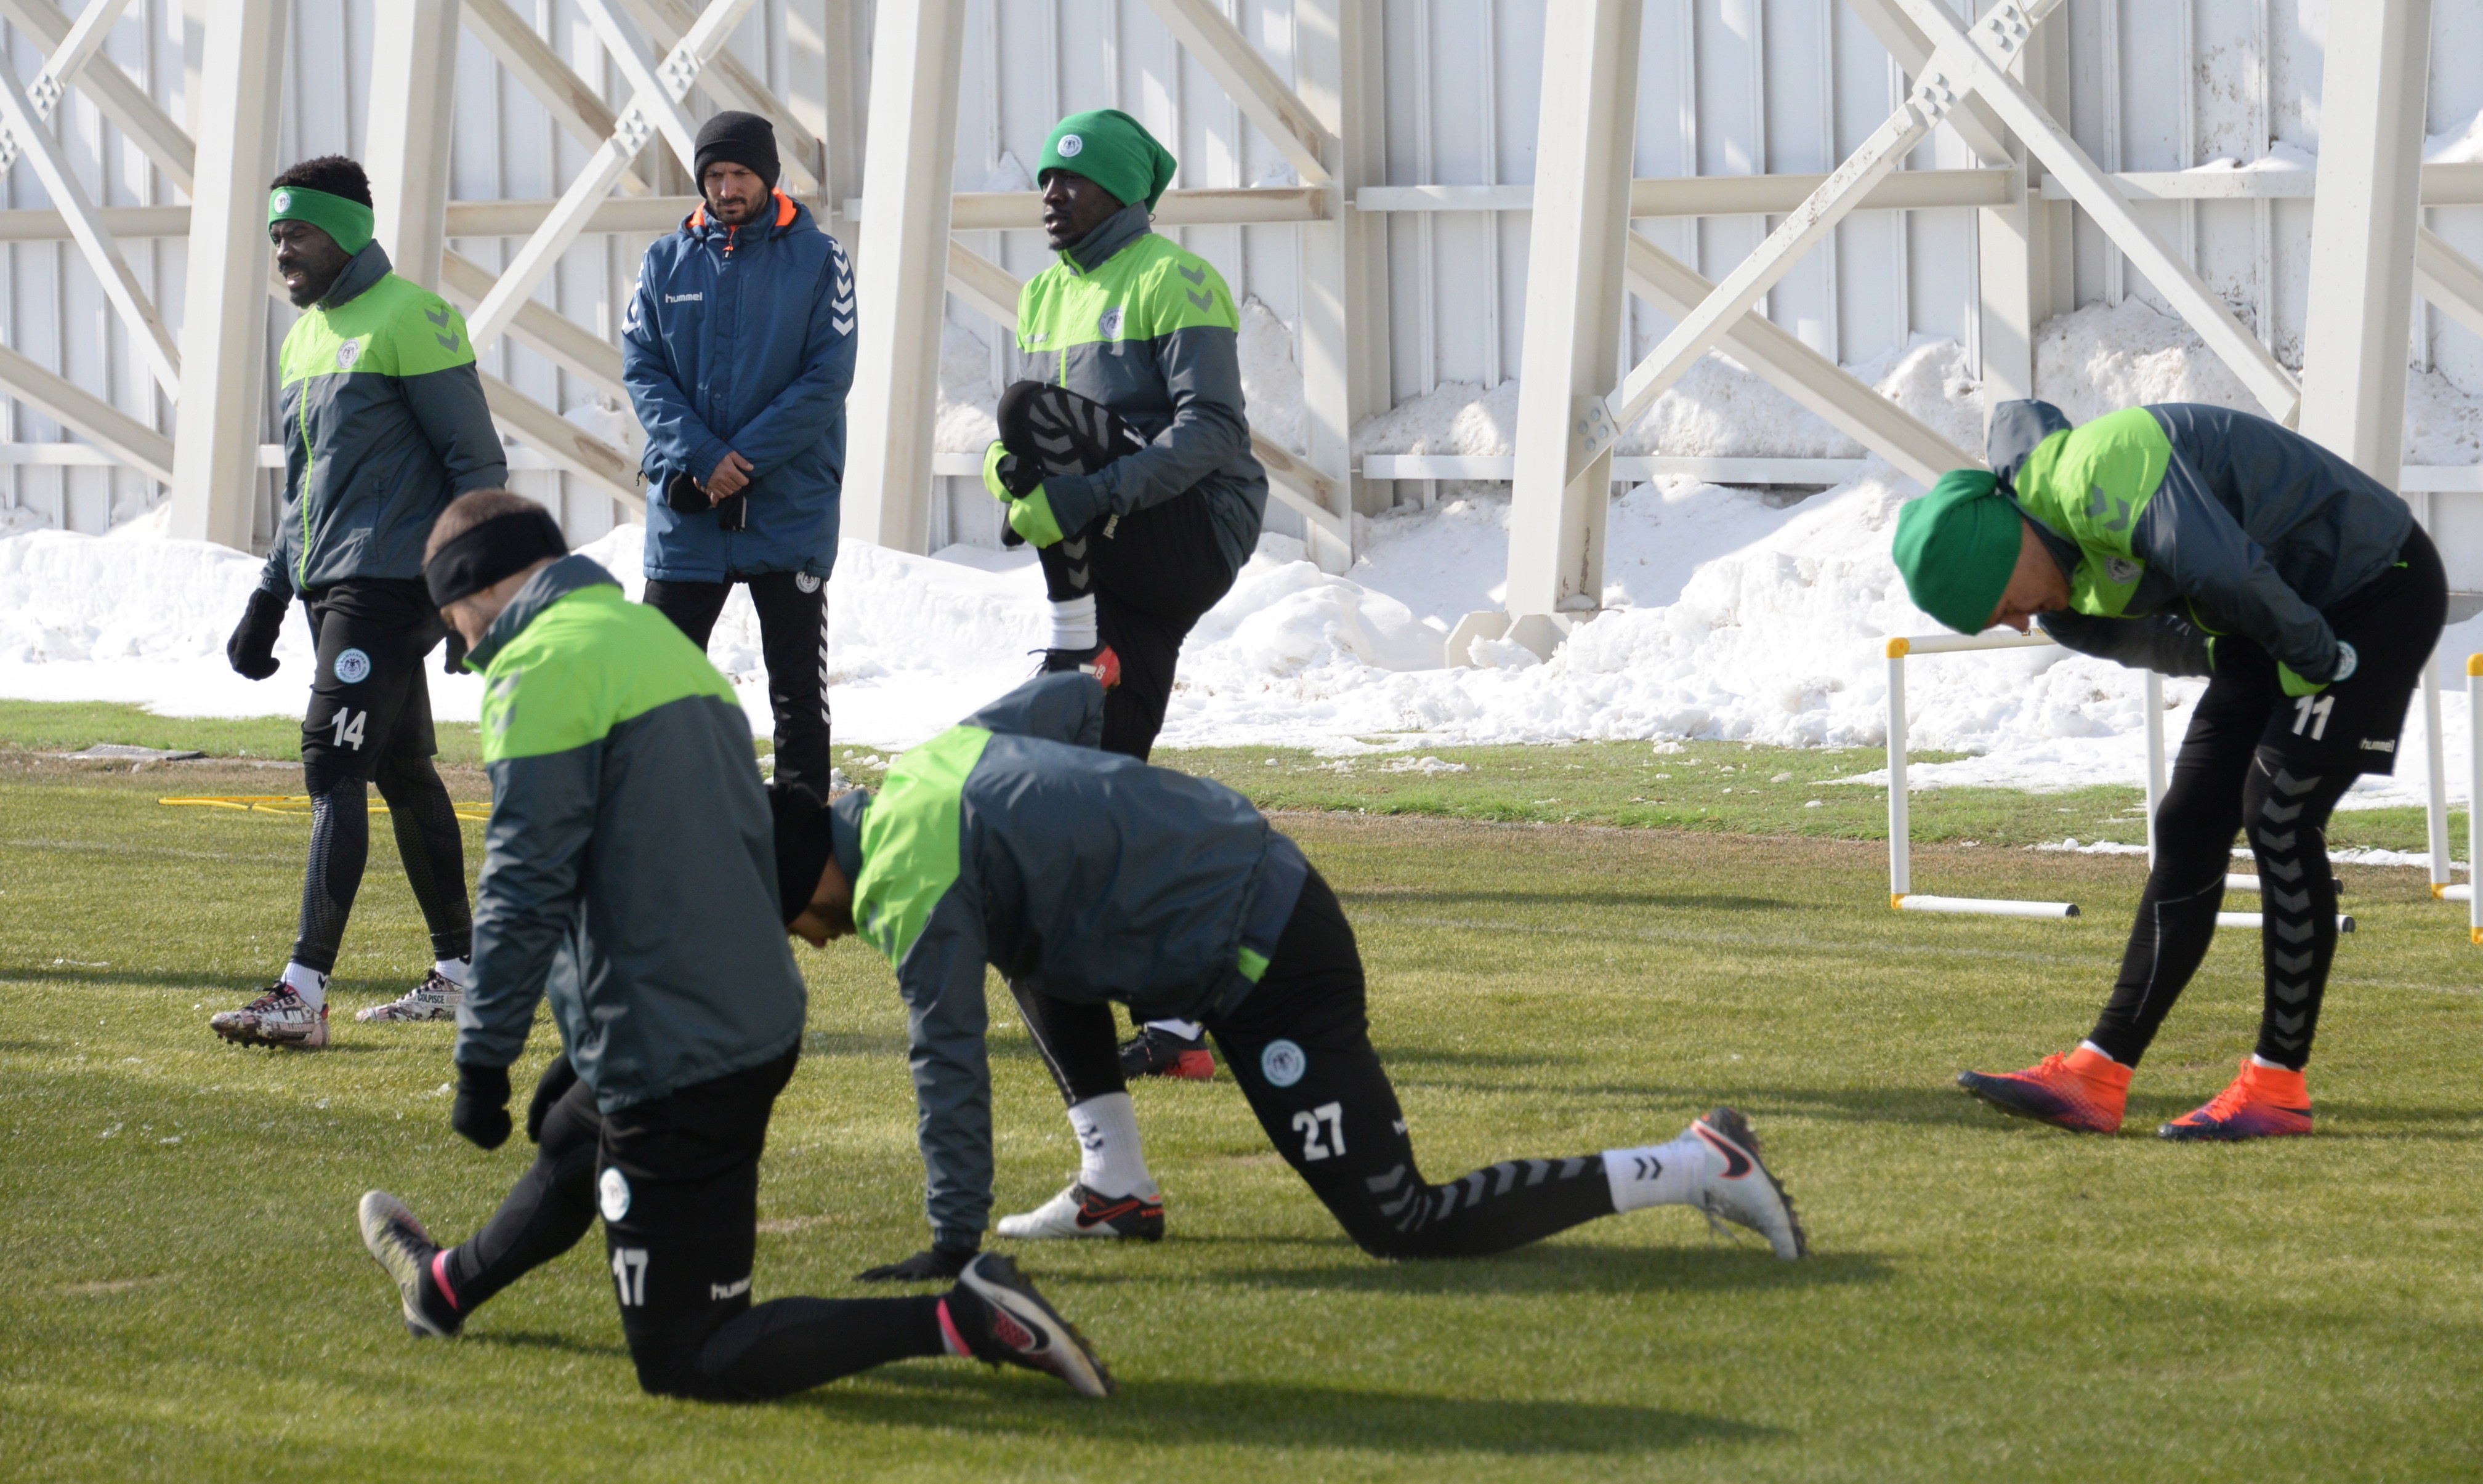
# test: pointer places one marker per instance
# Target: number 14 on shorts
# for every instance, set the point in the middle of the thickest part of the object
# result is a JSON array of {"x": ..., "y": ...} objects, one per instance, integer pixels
[{"x": 348, "y": 727}]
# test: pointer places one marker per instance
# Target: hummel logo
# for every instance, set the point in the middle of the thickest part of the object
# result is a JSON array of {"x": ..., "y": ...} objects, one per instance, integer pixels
[
  {"x": 725, "y": 1290},
  {"x": 2376, "y": 745},
  {"x": 698, "y": 298}
]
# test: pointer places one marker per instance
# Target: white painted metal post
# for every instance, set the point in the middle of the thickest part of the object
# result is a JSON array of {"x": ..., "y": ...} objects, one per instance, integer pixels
[
  {"x": 1901, "y": 874},
  {"x": 223, "y": 315},
  {"x": 414, "y": 95},
  {"x": 1345, "y": 283},
  {"x": 2434, "y": 766},
  {"x": 2363, "y": 232},
  {"x": 2474, "y": 797},
  {"x": 908, "y": 175},
  {"x": 2155, "y": 756},
  {"x": 1574, "y": 303}
]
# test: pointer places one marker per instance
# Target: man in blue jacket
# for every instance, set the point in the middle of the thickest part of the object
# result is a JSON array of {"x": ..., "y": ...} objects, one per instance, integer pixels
[
  {"x": 738, "y": 349},
  {"x": 1014, "y": 840},
  {"x": 383, "y": 423}
]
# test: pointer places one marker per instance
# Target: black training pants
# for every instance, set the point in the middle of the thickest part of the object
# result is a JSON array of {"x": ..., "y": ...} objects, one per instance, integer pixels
[
  {"x": 2273, "y": 765},
  {"x": 677, "y": 1182},
  {"x": 1152, "y": 573},
  {"x": 792, "y": 638},
  {"x": 1300, "y": 1047}
]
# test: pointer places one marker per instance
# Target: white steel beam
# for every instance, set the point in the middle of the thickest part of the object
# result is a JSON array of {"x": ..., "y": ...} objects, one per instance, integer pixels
[
  {"x": 2448, "y": 280},
  {"x": 1983, "y": 60},
  {"x": 974, "y": 211},
  {"x": 73, "y": 52},
  {"x": 1973, "y": 119},
  {"x": 1577, "y": 249},
  {"x": 571, "y": 447},
  {"x": 1290, "y": 124},
  {"x": 540, "y": 328},
  {"x": 1345, "y": 264},
  {"x": 1777, "y": 356},
  {"x": 224, "y": 316},
  {"x": 729, "y": 80},
  {"x": 656, "y": 104},
  {"x": 1718, "y": 196},
  {"x": 412, "y": 111},
  {"x": 916, "y": 53},
  {"x": 94, "y": 240},
  {"x": 2363, "y": 234},
  {"x": 65, "y": 402},
  {"x": 578, "y": 108},
  {"x": 123, "y": 101}
]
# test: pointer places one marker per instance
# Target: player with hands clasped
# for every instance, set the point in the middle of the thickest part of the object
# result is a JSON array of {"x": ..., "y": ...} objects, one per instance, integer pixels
[
  {"x": 2195, "y": 541},
  {"x": 629, "y": 875},
  {"x": 384, "y": 422},
  {"x": 1012, "y": 840},
  {"x": 1125, "y": 458},
  {"x": 738, "y": 349}
]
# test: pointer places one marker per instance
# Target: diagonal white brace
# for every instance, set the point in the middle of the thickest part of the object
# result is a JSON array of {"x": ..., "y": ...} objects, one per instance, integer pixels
[
  {"x": 84, "y": 37},
  {"x": 731, "y": 82},
  {"x": 2448, "y": 280},
  {"x": 1986, "y": 73},
  {"x": 656, "y": 89},
  {"x": 1203, "y": 31},
  {"x": 1698, "y": 331},
  {"x": 637, "y": 123},
  {"x": 93, "y": 239}
]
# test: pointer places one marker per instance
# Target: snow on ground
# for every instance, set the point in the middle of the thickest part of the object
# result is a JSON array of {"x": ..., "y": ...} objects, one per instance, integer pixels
[{"x": 1730, "y": 613}]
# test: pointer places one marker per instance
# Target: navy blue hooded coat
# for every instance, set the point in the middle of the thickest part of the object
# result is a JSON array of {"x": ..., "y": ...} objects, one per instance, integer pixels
[{"x": 741, "y": 339}]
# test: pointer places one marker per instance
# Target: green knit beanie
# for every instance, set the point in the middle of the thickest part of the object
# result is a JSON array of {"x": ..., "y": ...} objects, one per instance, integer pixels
[
  {"x": 1113, "y": 151},
  {"x": 1957, "y": 548}
]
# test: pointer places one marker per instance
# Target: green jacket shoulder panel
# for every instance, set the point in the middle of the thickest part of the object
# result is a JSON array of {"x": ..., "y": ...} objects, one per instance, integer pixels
[
  {"x": 912, "y": 841},
  {"x": 395, "y": 328},
  {"x": 2092, "y": 485},
  {"x": 585, "y": 662}
]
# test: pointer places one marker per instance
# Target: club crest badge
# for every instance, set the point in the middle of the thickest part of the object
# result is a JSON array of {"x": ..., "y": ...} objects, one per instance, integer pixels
[
  {"x": 1069, "y": 149},
  {"x": 353, "y": 668},
  {"x": 283, "y": 201},
  {"x": 1283, "y": 1063},
  {"x": 612, "y": 1194},
  {"x": 806, "y": 582},
  {"x": 347, "y": 354},
  {"x": 2121, "y": 569},
  {"x": 1109, "y": 328}
]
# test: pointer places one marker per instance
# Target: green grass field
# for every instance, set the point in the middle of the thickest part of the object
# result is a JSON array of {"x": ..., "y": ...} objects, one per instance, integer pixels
[{"x": 187, "y": 1296}]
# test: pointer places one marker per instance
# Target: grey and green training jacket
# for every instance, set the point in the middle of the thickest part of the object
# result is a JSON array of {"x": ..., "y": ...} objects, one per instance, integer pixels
[
  {"x": 383, "y": 423},
  {"x": 1012, "y": 840},
  {"x": 1147, "y": 328},
  {"x": 630, "y": 866}
]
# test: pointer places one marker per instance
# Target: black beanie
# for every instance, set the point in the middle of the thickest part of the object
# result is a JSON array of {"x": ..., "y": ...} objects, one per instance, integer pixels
[
  {"x": 803, "y": 845},
  {"x": 739, "y": 139}
]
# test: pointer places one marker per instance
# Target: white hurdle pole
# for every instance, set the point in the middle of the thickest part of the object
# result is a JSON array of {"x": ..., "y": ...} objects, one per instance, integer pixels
[
  {"x": 2155, "y": 761},
  {"x": 2436, "y": 779},
  {"x": 2474, "y": 797},
  {"x": 1901, "y": 895}
]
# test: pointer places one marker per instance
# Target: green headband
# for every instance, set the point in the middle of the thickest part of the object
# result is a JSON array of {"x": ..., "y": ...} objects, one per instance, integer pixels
[
  {"x": 1113, "y": 151},
  {"x": 1957, "y": 548},
  {"x": 350, "y": 223}
]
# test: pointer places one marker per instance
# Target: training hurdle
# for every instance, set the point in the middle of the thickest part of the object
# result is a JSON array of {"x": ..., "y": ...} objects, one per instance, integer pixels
[
  {"x": 1900, "y": 893},
  {"x": 2474, "y": 795}
]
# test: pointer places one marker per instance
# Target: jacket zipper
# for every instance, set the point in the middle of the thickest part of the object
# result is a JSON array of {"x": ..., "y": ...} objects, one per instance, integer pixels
[{"x": 302, "y": 419}]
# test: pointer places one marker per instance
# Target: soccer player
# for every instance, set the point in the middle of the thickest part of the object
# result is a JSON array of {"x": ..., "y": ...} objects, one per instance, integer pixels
[
  {"x": 630, "y": 872},
  {"x": 1134, "y": 548},
  {"x": 1013, "y": 840},
  {"x": 2196, "y": 540},
  {"x": 384, "y": 422},
  {"x": 738, "y": 349}
]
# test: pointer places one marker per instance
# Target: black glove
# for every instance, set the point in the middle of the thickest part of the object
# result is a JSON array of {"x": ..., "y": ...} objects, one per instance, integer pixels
[
  {"x": 252, "y": 648},
  {"x": 482, "y": 1110},
  {"x": 683, "y": 495},
  {"x": 456, "y": 651},
  {"x": 557, "y": 1079},
  {"x": 940, "y": 1264}
]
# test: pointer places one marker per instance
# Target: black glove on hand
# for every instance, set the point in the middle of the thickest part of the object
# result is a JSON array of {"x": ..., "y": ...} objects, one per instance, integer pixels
[
  {"x": 482, "y": 1110},
  {"x": 252, "y": 648},
  {"x": 557, "y": 1079},
  {"x": 939, "y": 1264},
  {"x": 456, "y": 664}
]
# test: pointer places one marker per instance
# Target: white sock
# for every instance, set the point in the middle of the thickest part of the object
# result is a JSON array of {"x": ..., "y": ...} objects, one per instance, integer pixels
[
  {"x": 309, "y": 983},
  {"x": 454, "y": 970},
  {"x": 1073, "y": 624},
  {"x": 2257, "y": 1060},
  {"x": 1657, "y": 1174},
  {"x": 1109, "y": 1161},
  {"x": 2089, "y": 1045},
  {"x": 1186, "y": 1030}
]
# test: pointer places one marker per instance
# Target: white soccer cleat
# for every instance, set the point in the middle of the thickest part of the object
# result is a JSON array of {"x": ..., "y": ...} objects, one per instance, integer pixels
[
  {"x": 279, "y": 1017},
  {"x": 1021, "y": 1329},
  {"x": 1078, "y": 1211},
  {"x": 1738, "y": 1188},
  {"x": 400, "y": 1245},
  {"x": 435, "y": 998}
]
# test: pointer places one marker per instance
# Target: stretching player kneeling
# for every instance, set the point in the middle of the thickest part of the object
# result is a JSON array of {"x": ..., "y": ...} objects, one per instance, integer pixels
[
  {"x": 628, "y": 871},
  {"x": 1011, "y": 840},
  {"x": 2191, "y": 540}
]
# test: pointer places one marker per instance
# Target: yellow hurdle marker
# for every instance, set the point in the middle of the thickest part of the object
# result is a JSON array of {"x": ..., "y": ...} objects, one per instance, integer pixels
[{"x": 299, "y": 805}]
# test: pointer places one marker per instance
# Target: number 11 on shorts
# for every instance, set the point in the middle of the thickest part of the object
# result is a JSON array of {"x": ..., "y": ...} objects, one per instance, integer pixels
[{"x": 2311, "y": 711}]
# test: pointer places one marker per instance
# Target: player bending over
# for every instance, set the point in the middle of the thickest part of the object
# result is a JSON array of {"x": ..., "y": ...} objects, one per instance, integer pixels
[
  {"x": 2195, "y": 541},
  {"x": 1126, "y": 461},
  {"x": 629, "y": 869},
  {"x": 383, "y": 423},
  {"x": 1011, "y": 840}
]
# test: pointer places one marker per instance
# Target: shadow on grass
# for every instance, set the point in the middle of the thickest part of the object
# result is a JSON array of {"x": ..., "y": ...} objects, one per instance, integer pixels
[
  {"x": 1550, "y": 898},
  {"x": 1743, "y": 1267},
  {"x": 160, "y": 978},
  {"x": 539, "y": 1339},
  {"x": 1265, "y": 1415}
]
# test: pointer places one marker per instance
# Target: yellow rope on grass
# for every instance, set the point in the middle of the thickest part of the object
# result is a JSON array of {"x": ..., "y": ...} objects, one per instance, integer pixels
[{"x": 299, "y": 805}]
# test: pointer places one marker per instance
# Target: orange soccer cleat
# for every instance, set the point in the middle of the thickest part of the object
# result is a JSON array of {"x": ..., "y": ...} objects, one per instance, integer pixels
[
  {"x": 2260, "y": 1102},
  {"x": 2083, "y": 1091}
]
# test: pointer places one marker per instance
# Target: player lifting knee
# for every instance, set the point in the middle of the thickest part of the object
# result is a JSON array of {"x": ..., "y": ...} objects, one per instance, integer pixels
[{"x": 1013, "y": 840}]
